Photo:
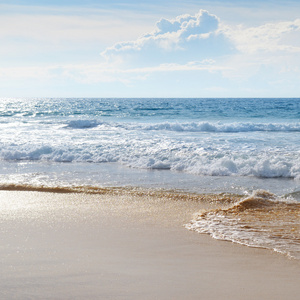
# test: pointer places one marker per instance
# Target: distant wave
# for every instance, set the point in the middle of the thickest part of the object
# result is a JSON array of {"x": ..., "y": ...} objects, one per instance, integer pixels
[
  {"x": 191, "y": 126},
  {"x": 221, "y": 127}
]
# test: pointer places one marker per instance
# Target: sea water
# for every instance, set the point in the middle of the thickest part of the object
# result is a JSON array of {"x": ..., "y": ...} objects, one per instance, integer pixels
[{"x": 233, "y": 146}]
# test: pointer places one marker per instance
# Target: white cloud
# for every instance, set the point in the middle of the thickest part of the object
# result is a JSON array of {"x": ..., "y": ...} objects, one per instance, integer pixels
[
  {"x": 179, "y": 40},
  {"x": 270, "y": 37},
  {"x": 269, "y": 53}
]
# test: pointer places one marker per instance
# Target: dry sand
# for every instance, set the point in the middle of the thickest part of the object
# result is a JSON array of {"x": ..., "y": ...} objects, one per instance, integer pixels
[{"x": 78, "y": 246}]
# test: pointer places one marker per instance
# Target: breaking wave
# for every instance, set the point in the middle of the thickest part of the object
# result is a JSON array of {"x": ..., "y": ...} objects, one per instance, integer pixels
[{"x": 177, "y": 159}]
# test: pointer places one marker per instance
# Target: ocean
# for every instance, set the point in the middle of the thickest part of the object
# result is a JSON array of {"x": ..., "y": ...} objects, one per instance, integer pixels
[{"x": 247, "y": 148}]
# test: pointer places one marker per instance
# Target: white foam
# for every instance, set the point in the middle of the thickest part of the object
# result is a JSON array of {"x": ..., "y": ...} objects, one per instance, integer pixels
[{"x": 148, "y": 155}]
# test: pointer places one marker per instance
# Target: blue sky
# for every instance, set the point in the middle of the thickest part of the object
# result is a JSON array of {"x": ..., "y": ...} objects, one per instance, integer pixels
[{"x": 149, "y": 49}]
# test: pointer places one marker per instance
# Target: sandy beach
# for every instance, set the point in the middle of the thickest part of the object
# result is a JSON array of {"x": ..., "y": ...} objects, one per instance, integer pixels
[{"x": 83, "y": 246}]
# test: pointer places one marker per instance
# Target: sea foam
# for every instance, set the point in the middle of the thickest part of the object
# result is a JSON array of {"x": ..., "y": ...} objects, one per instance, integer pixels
[{"x": 177, "y": 159}]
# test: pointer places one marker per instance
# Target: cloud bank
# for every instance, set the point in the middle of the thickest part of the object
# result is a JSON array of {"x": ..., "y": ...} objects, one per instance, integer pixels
[{"x": 188, "y": 55}]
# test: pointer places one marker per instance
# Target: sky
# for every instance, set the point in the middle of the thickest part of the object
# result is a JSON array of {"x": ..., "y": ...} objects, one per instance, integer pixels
[{"x": 158, "y": 48}]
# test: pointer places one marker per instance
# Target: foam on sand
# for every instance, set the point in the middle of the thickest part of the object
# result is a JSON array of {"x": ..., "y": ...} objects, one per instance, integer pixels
[{"x": 260, "y": 220}]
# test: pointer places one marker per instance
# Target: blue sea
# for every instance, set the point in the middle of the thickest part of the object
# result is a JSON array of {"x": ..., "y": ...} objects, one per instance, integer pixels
[{"x": 246, "y": 147}]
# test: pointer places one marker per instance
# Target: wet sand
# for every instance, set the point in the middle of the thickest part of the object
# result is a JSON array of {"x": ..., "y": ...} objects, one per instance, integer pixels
[{"x": 79, "y": 246}]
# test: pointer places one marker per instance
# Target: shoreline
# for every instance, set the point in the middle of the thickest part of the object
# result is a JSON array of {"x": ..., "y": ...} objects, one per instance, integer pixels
[{"x": 124, "y": 246}]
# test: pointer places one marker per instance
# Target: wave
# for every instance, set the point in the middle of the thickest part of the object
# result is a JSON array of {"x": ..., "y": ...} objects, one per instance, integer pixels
[
  {"x": 65, "y": 189},
  {"x": 221, "y": 127},
  {"x": 82, "y": 124},
  {"x": 261, "y": 220},
  {"x": 211, "y": 127},
  {"x": 173, "y": 194},
  {"x": 189, "y": 126},
  {"x": 177, "y": 160}
]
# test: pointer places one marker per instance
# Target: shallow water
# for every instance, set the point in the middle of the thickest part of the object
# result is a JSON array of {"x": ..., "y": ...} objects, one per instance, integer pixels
[{"x": 261, "y": 220}]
